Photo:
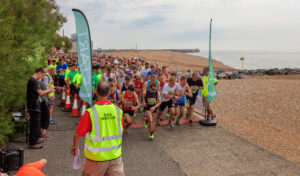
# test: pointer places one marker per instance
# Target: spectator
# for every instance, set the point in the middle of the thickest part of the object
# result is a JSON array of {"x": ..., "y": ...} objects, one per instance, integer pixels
[
  {"x": 34, "y": 107},
  {"x": 51, "y": 96},
  {"x": 45, "y": 118}
]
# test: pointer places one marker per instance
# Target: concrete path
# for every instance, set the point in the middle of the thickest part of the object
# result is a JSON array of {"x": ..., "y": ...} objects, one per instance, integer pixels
[{"x": 184, "y": 150}]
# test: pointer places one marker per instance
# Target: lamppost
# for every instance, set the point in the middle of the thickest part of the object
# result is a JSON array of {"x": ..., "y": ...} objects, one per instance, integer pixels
[{"x": 242, "y": 59}]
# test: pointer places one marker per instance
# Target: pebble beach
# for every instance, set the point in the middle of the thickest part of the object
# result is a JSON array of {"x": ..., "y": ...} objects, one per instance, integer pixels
[{"x": 264, "y": 110}]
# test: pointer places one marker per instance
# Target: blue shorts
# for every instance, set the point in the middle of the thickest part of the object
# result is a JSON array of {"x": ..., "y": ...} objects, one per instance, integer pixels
[
  {"x": 181, "y": 101},
  {"x": 191, "y": 100},
  {"x": 51, "y": 101}
]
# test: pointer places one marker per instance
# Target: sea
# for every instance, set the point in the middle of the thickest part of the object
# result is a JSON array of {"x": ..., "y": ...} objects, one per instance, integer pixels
[{"x": 256, "y": 59}]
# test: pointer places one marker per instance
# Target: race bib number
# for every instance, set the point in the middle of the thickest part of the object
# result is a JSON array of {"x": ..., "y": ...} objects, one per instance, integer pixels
[
  {"x": 194, "y": 89},
  {"x": 128, "y": 104},
  {"x": 61, "y": 72},
  {"x": 170, "y": 93},
  {"x": 151, "y": 101}
]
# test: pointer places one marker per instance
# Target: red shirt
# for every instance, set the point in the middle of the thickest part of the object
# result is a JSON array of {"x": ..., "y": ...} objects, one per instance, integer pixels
[
  {"x": 129, "y": 101},
  {"x": 137, "y": 83},
  {"x": 166, "y": 76},
  {"x": 85, "y": 124}
]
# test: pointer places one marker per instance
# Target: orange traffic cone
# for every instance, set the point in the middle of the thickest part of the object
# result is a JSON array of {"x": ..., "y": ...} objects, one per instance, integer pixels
[
  {"x": 75, "y": 110},
  {"x": 68, "y": 103},
  {"x": 63, "y": 98},
  {"x": 83, "y": 108}
]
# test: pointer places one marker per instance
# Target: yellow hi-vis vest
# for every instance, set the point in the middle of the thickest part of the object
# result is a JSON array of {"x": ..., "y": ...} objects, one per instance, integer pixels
[
  {"x": 205, "y": 85},
  {"x": 50, "y": 84},
  {"x": 104, "y": 142}
]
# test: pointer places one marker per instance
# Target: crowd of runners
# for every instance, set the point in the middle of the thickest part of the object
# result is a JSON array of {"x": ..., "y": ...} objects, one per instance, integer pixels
[{"x": 136, "y": 86}]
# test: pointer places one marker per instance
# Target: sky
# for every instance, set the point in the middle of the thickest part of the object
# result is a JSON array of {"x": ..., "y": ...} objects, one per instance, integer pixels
[{"x": 165, "y": 24}]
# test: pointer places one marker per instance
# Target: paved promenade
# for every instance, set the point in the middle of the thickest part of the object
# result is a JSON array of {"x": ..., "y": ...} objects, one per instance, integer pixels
[{"x": 184, "y": 150}]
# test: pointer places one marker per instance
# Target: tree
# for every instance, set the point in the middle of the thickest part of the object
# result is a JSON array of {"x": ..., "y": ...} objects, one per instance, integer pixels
[
  {"x": 57, "y": 42},
  {"x": 26, "y": 35}
]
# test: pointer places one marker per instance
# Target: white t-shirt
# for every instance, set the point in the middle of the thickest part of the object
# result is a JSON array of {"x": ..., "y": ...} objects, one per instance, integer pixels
[
  {"x": 180, "y": 89},
  {"x": 168, "y": 90},
  {"x": 110, "y": 76},
  {"x": 121, "y": 79},
  {"x": 144, "y": 72}
]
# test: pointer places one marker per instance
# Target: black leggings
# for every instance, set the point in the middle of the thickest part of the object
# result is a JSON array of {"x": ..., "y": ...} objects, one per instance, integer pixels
[
  {"x": 34, "y": 127},
  {"x": 45, "y": 117}
]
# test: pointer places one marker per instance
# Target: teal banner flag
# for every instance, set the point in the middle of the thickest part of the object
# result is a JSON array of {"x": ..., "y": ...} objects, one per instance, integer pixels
[
  {"x": 84, "y": 52},
  {"x": 212, "y": 93}
]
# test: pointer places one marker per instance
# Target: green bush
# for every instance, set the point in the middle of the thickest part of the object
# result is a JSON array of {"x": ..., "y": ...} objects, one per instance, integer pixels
[{"x": 27, "y": 29}]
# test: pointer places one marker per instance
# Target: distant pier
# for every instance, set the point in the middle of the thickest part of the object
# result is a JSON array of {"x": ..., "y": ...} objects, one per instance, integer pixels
[{"x": 196, "y": 50}]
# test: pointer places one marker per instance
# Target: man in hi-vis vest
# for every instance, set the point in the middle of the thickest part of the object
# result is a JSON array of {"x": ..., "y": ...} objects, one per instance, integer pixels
[{"x": 102, "y": 128}]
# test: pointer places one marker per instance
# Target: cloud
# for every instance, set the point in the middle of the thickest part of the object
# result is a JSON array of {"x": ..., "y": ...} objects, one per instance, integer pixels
[{"x": 237, "y": 24}]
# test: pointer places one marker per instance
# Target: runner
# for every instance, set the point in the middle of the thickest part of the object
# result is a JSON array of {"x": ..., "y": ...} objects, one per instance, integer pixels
[
  {"x": 144, "y": 71},
  {"x": 174, "y": 75},
  {"x": 182, "y": 90},
  {"x": 77, "y": 83},
  {"x": 120, "y": 79},
  {"x": 95, "y": 81},
  {"x": 114, "y": 95},
  {"x": 137, "y": 83},
  {"x": 102, "y": 70},
  {"x": 126, "y": 84},
  {"x": 109, "y": 74},
  {"x": 152, "y": 70},
  {"x": 60, "y": 69},
  {"x": 151, "y": 102},
  {"x": 167, "y": 101},
  {"x": 165, "y": 73},
  {"x": 196, "y": 85},
  {"x": 152, "y": 80},
  {"x": 67, "y": 71},
  {"x": 70, "y": 78},
  {"x": 129, "y": 98},
  {"x": 134, "y": 70},
  {"x": 162, "y": 82}
]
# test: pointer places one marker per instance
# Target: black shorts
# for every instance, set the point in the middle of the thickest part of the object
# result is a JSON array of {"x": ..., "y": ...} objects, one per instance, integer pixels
[
  {"x": 166, "y": 103},
  {"x": 56, "y": 80},
  {"x": 148, "y": 108},
  {"x": 72, "y": 89},
  {"x": 181, "y": 104},
  {"x": 191, "y": 100},
  {"x": 77, "y": 91},
  {"x": 129, "y": 112},
  {"x": 61, "y": 82}
]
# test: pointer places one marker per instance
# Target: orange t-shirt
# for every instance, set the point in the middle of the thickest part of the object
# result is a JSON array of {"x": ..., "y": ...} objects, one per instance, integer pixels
[{"x": 31, "y": 169}]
